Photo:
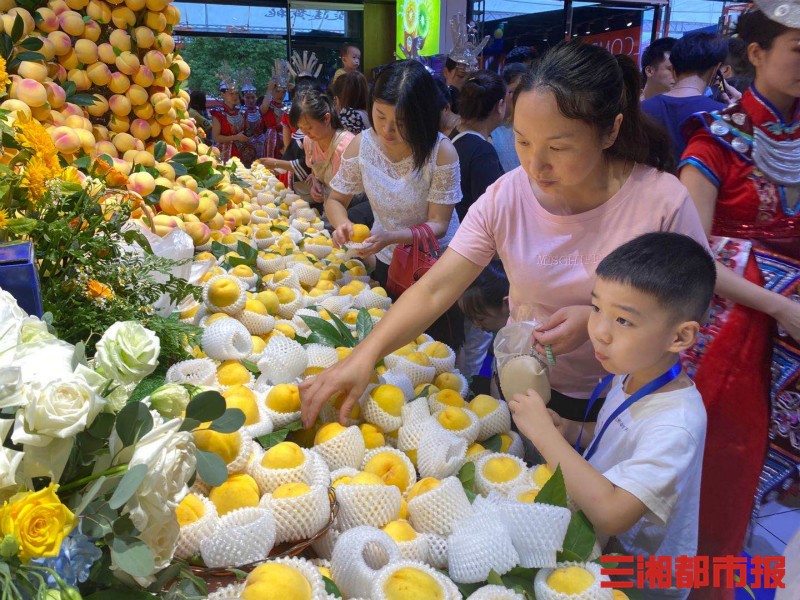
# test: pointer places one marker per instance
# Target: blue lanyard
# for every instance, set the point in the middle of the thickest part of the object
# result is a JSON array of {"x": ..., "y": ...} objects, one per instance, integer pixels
[{"x": 646, "y": 389}]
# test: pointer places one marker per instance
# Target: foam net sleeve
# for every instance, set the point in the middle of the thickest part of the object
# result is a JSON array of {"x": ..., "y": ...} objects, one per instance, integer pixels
[
  {"x": 449, "y": 589},
  {"x": 412, "y": 472},
  {"x": 324, "y": 546},
  {"x": 440, "y": 453},
  {"x": 283, "y": 360},
  {"x": 495, "y": 592},
  {"x": 416, "y": 373},
  {"x": 373, "y": 505},
  {"x": 479, "y": 546},
  {"x": 300, "y": 517},
  {"x": 497, "y": 421},
  {"x": 469, "y": 433},
  {"x": 369, "y": 299},
  {"x": 255, "y": 323},
  {"x": 537, "y": 531},
  {"x": 484, "y": 486},
  {"x": 307, "y": 569},
  {"x": 291, "y": 281},
  {"x": 442, "y": 365},
  {"x": 593, "y": 592},
  {"x": 269, "y": 480},
  {"x": 307, "y": 274},
  {"x": 374, "y": 414},
  {"x": 243, "y": 536},
  {"x": 197, "y": 371},
  {"x": 344, "y": 450},
  {"x": 193, "y": 534},
  {"x": 232, "y": 309},
  {"x": 227, "y": 339},
  {"x": 286, "y": 311},
  {"x": 320, "y": 474},
  {"x": 437, "y": 550},
  {"x": 232, "y": 592},
  {"x": 437, "y": 510},
  {"x": 359, "y": 555},
  {"x": 321, "y": 356},
  {"x": 338, "y": 305},
  {"x": 416, "y": 411},
  {"x": 401, "y": 381}
]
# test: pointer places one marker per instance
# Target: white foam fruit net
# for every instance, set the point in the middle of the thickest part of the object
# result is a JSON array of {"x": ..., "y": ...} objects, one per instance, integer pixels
[
  {"x": 306, "y": 274},
  {"x": 307, "y": 569},
  {"x": 286, "y": 311},
  {"x": 197, "y": 371},
  {"x": 442, "y": 365},
  {"x": 484, "y": 486},
  {"x": 495, "y": 592},
  {"x": 192, "y": 534},
  {"x": 269, "y": 480},
  {"x": 415, "y": 411},
  {"x": 537, "y": 531},
  {"x": 373, "y": 505},
  {"x": 360, "y": 553},
  {"x": 416, "y": 549},
  {"x": 321, "y": 356},
  {"x": 437, "y": 510},
  {"x": 593, "y": 592},
  {"x": 283, "y": 360},
  {"x": 469, "y": 433},
  {"x": 320, "y": 473},
  {"x": 369, "y": 299},
  {"x": 239, "y": 464},
  {"x": 248, "y": 282},
  {"x": 318, "y": 250},
  {"x": 401, "y": 456},
  {"x": 255, "y": 323},
  {"x": 242, "y": 536},
  {"x": 231, "y": 309},
  {"x": 401, "y": 381},
  {"x": 480, "y": 544},
  {"x": 497, "y": 421},
  {"x": 232, "y": 591},
  {"x": 324, "y": 546},
  {"x": 299, "y": 517},
  {"x": 292, "y": 280},
  {"x": 440, "y": 453},
  {"x": 448, "y": 588},
  {"x": 338, "y": 305},
  {"x": 227, "y": 339},
  {"x": 270, "y": 265},
  {"x": 374, "y": 414},
  {"x": 437, "y": 550},
  {"x": 416, "y": 373},
  {"x": 344, "y": 450}
]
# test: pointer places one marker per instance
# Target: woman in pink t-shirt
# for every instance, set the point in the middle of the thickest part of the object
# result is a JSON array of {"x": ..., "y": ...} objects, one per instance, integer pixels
[{"x": 592, "y": 177}]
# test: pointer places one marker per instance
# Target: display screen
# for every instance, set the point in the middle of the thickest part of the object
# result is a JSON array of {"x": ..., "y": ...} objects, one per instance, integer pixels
[{"x": 418, "y": 18}]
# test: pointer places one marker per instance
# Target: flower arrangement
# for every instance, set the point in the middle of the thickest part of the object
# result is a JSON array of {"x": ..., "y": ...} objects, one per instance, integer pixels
[{"x": 90, "y": 478}]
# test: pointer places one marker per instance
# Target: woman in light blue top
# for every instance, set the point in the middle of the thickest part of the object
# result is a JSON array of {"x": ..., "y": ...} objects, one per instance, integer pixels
[{"x": 503, "y": 136}]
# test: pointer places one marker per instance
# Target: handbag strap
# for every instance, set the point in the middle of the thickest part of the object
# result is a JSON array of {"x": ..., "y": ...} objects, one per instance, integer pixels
[{"x": 430, "y": 236}]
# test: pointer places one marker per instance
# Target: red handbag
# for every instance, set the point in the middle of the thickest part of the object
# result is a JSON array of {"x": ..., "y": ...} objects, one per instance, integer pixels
[{"x": 412, "y": 261}]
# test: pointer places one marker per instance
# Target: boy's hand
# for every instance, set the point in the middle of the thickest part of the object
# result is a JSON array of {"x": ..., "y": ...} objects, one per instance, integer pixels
[{"x": 530, "y": 414}]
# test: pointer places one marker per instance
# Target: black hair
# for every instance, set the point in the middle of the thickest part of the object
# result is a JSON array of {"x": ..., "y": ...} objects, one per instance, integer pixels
[
  {"x": 444, "y": 96},
  {"x": 313, "y": 102},
  {"x": 197, "y": 100},
  {"x": 512, "y": 71},
  {"x": 487, "y": 292},
  {"x": 479, "y": 95},
  {"x": 673, "y": 268},
  {"x": 594, "y": 86},
  {"x": 345, "y": 47},
  {"x": 521, "y": 54},
  {"x": 737, "y": 58},
  {"x": 754, "y": 27},
  {"x": 697, "y": 52},
  {"x": 656, "y": 53},
  {"x": 352, "y": 90},
  {"x": 408, "y": 87}
]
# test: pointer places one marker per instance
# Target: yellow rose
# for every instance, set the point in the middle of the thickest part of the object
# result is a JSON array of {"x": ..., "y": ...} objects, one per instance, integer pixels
[{"x": 38, "y": 521}]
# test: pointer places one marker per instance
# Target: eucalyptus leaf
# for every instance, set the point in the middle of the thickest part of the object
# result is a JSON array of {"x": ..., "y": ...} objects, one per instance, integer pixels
[
  {"x": 89, "y": 495},
  {"x": 79, "y": 356},
  {"x": 554, "y": 492},
  {"x": 580, "y": 537},
  {"x": 231, "y": 420},
  {"x": 206, "y": 406},
  {"x": 128, "y": 486},
  {"x": 363, "y": 323},
  {"x": 102, "y": 426},
  {"x": 133, "y": 421},
  {"x": 211, "y": 468},
  {"x": 132, "y": 556}
]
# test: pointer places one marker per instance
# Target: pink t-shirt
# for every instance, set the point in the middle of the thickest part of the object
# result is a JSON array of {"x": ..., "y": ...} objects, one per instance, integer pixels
[{"x": 551, "y": 259}]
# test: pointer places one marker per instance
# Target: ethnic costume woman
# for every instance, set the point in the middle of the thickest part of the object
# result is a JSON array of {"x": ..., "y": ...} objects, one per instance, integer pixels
[
  {"x": 742, "y": 167},
  {"x": 227, "y": 123},
  {"x": 254, "y": 127}
]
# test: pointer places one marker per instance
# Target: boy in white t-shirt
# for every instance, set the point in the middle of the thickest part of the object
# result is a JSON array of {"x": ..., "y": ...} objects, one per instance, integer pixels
[{"x": 638, "y": 481}]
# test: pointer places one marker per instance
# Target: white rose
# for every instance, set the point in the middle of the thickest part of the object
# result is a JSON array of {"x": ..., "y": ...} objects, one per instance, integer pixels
[
  {"x": 11, "y": 389},
  {"x": 170, "y": 458},
  {"x": 58, "y": 409},
  {"x": 162, "y": 540},
  {"x": 127, "y": 352},
  {"x": 34, "y": 330},
  {"x": 9, "y": 459},
  {"x": 44, "y": 360}
]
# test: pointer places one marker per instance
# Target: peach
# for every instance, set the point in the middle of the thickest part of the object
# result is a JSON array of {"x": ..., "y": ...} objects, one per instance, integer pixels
[
  {"x": 123, "y": 17},
  {"x": 66, "y": 140},
  {"x": 143, "y": 157},
  {"x": 155, "y": 61},
  {"x": 143, "y": 111},
  {"x": 122, "y": 166},
  {"x": 123, "y": 141},
  {"x": 27, "y": 18},
  {"x": 140, "y": 129},
  {"x": 58, "y": 6},
  {"x": 187, "y": 181},
  {"x": 120, "y": 39},
  {"x": 155, "y": 128},
  {"x": 99, "y": 73},
  {"x": 135, "y": 5},
  {"x": 77, "y": 4},
  {"x": 127, "y": 63},
  {"x": 156, "y": 5},
  {"x": 80, "y": 79},
  {"x": 142, "y": 183},
  {"x": 168, "y": 118},
  {"x": 78, "y": 122},
  {"x": 119, "y": 124},
  {"x": 165, "y": 78},
  {"x": 71, "y": 23},
  {"x": 119, "y": 83},
  {"x": 99, "y": 108},
  {"x": 136, "y": 95},
  {"x": 155, "y": 20},
  {"x": 199, "y": 232},
  {"x": 70, "y": 109},
  {"x": 48, "y": 50},
  {"x": 185, "y": 200},
  {"x": 32, "y": 70},
  {"x": 105, "y": 147},
  {"x": 42, "y": 113},
  {"x": 87, "y": 51},
  {"x": 31, "y": 92},
  {"x": 57, "y": 118},
  {"x": 14, "y": 106},
  {"x": 165, "y": 202},
  {"x": 69, "y": 60},
  {"x": 92, "y": 30},
  {"x": 100, "y": 133},
  {"x": 61, "y": 42},
  {"x": 144, "y": 77},
  {"x": 106, "y": 53},
  {"x": 166, "y": 223},
  {"x": 99, "y": 11},
  {"x": 188, "y": 145},
  {"x": 165, "y": 43},
  {"x": 130, "y": 155},
  {"x": 56, "y": 96},
  {"x": 145, "y": 38},
  {"x": 48, "y": 20},
  {"x": 173, "y": 15},
  {"x": 207, "y": 208},
  {"x": 119, "y": 105},
  {"x": 166, "y": 170},
  {"x": 87, "y": 140},
  {"x": 160, "y": 181},
  {"x": 183, "y": 70}
]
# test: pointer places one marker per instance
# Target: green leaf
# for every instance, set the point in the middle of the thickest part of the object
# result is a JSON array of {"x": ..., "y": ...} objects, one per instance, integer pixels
[
  {"x": 127, "y": 486},
  {"x": 102, "y": 426},
  {"x": 132, "y": 556},
  {"x": 145, "y": 387},
  {"x": 90, "y": 495},
  {"x": 120, "y": 594},
  {"x": 82, "y": 99},
  {"x": 79, "y": 356},
  {"x": 231, "y": 420},
  {"x": 206, "y": 406},
  {"x": 29, "y": 56},
  {"x": 160, "y": 150},
  {"x": 187, "y": 159},
  {"x": 179, "y": 169},
  {"x": 32, "y": 43},
  {"x": 17, "y": 29},
  {"x": 580, "y": 537},
  {"x": 7, "y": 45},
  {"x": 323, "y": 332},
  {"x": 246, "y": 250},
  {"x": 164, "y": 576},
  {"x": 344, "y": 331},
  {"x": 213, "y": 180},
  {"x": 219, "y": 250},
  {"x": 363, "y": 323},
  {"x": 494, "y": 443},
  {"x": 494, "y": 578},
  {"x": 251, "y": 366},
  {"x": 189, "y": 425},
  {"x": 520, "y": 580},
  {"x": 467, "y": 478},
  {"x": 69, "y": 88},
  {"x": 133, "y": 421},
  {"x": 331, "y": 588},
  {"x": 554, "y": 491},
  {"x": 276, "y": 437},
  {"x": 211, "y": 468},
  {"x": 84, "y": 162}
]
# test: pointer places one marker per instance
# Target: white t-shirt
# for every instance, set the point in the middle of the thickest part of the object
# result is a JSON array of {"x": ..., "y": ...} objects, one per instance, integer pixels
[{"x": 654, "y": 450}]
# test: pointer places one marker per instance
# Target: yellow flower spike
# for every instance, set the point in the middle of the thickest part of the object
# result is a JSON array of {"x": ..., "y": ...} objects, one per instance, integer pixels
[{"x": 38, "y": 521}]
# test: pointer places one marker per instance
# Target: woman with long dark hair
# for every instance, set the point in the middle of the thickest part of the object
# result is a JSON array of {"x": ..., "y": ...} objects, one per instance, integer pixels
[{"x": 352, "y": 97}]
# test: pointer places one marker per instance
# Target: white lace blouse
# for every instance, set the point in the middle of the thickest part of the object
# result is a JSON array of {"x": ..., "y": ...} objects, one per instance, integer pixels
[{"x": 399, "y": 194}]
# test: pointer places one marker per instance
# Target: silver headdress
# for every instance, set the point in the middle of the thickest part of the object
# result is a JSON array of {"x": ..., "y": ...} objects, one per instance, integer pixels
[
  {"x": 281, "y": 73},
  {"x": 466, "y": 48},
  {"x": 306, "y": 67},
  {"x": 785, "y": 12},
  {"x": 227, "y": 78},
  {"x": 248, "y": 77},
  {"x": 413, "y": 54}
]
